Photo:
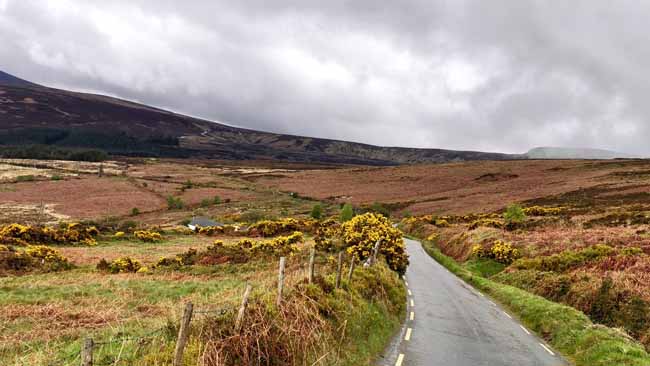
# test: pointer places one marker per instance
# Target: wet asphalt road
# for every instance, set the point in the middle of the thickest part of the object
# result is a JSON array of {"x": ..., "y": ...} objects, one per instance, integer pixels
[{"x": 453, "y": 325}]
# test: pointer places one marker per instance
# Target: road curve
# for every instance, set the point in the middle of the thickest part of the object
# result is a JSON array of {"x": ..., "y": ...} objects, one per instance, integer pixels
[{"x": 448, "y": 323}]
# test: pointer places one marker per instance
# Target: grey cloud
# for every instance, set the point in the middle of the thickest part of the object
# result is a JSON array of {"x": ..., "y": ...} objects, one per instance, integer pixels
[{"x": 500, "y": 76}]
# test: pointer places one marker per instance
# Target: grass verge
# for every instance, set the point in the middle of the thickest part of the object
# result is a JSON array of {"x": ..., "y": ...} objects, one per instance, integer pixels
[{"x": 565, "y": 328}]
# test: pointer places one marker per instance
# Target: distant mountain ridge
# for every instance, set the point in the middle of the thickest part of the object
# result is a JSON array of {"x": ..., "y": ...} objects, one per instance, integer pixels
[
  {"x": 575, "y": 153},
  {"x": 31, "y": 114},
  {"x": 8, "y": 79}
]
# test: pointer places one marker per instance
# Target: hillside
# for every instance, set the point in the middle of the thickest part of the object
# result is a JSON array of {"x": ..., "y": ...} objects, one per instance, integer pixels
[
  {"x": 574, "y": 153},
  {"x": 33, "y": 114}
]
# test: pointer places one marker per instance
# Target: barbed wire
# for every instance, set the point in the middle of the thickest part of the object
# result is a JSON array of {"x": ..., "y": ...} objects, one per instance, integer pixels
[{"x": 149, "y": 335}]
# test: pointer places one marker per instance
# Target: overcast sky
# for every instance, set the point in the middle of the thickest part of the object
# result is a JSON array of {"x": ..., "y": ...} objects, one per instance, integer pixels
[{"x": 460, "y": 74}]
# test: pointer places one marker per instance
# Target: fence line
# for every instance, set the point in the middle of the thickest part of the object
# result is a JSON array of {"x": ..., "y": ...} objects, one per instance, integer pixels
[{"x": 89, "y": 345}]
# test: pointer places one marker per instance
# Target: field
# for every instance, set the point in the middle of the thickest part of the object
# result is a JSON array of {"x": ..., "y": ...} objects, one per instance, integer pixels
[
  {"x": 584, "y": 242},
  {"x": 108, "y": 256}
]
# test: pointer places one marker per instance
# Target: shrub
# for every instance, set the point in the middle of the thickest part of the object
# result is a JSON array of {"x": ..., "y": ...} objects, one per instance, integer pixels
[
  {"x": 544, "y": 211},
  {"x": 252, "y": 216},
  {"x": 120, "y": 265},
  {"x": 37, "y": 257},
  {"x": 135, "y": 211},
  {"x": 210, "y": 230},
  {"x": 216, "y": 200},
  {"x": 268, "y": 228},
  {"x": 379, "y": 208},
  {"x": 174, "y": 203},
  {"x": 66, "y": 234},
  {"x": 500, "y": 251},
  {"x": 360, "y": 234},
  {"x": 25, "y": 178},
  {"x": 514, "y": 214},
  {"x": 55, "y": 177},
  {"x": 148, "y": 236},
  {"x": 119, "y": 234},
  {"x": 565, "y": 260},
  {"x": 206, "y": 202},
  {"x": 347, "y": 212},
  {"x": 486, "y": 223},
  {"x": 317, "y": 211}
]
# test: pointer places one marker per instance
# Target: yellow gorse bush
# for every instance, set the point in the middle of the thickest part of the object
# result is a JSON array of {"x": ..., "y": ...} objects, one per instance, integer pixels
[
  {"x": 500, "y": 251},
  {"x": 71, "y": 233},
  {"x": 359, "y": 235},
  {"x": 120, "y": 265},
  {"x": 268, "y": 228},
  {"x": 148, "y": 236},
  {"x": 544, "y": 211},
  {"x": 32, "y": 257}
]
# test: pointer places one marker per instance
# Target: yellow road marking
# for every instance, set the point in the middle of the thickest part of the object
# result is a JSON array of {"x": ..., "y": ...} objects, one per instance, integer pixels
[
  {"x": 412, "y": 303},
  {"x": 525, "y": 330},
  {"x": 407, "y": 337},
  {"x": 508, "y": 315},
  {"x": 410, "y": 293},
  {"x": 400, "y": 359},
  {"x": 412, "y": 315}
]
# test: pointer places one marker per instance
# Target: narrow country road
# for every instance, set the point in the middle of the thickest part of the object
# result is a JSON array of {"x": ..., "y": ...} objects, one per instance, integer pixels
[{"x": 449, "y": 323}]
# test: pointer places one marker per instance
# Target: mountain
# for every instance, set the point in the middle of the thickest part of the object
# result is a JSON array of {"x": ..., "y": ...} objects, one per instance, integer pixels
[
  {"x": 31, "y": 114},
  {"x": 574, "y": 153},
  {"x": 7, "y": 79}
]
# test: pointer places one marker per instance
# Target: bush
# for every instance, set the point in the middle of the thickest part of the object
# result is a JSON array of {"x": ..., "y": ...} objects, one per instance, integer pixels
[
  {"x": 347, "y": 212},
  {"x": 216, "y": 200},
  {"x": 565, "y": 260},
  {"x": 25, "y": 178},
  {"x": 36, "y": 257},
  {"x": 55, "y": 177},
  {"x": 148, "y": 236},
  {"x": 317, "y": 211},
  {"x": 135, "y": 211},
  {"x": 500, "y": 251},
  {"x": 66, "y": 234},
  {"x": 206, "y": 202},
  {"x": 174, "y": 203},
  {"x": 360, "y": 235},
  {"x": 514, "y": 214},
  {"x": 486, "y": 223},
  {"x": 120, "y": 265},
  {"x": 269, "y": 228}
]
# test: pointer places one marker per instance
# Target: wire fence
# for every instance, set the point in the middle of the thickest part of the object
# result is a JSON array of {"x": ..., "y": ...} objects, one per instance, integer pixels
[{"x": 89, "y": 350}]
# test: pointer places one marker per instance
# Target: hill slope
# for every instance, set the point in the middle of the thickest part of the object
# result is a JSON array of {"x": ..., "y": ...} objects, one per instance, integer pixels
[
  {"x": 574, "y": 153},
  {"x": 7, "y": 79},
  {"x": 33, "y": 114}
]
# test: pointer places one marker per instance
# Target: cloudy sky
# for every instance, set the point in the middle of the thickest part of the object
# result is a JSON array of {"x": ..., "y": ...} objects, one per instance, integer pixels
[{"x": 460, "y": 74}]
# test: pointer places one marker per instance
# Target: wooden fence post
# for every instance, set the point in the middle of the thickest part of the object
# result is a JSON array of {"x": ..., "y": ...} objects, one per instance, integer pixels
[
  {"x": 312, "y": 258},
  {"x": 242, "y": 308},
  {"x": 375, "y": 252},
  {"x": 352, "y": 263},
  {"x": 87, "y": 352},
  {"x": 281, "y": 279},
  {"x": 339, "y": 268},
  {"x": 183, "y": 334}
]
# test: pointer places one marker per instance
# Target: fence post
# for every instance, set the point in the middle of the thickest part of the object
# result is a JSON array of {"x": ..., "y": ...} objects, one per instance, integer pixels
[
  {"x": 242, "y": 308},
  {"x": 312, "y": 257},
  {"x": 183, "y": 334},
  {"x": 87, "y": 352},
  {"x": 352, "y": 263},
  {"x": 375, "y": 252},
  {"x": 281, "y": 279},
  {"x": 339, "y": 268}
]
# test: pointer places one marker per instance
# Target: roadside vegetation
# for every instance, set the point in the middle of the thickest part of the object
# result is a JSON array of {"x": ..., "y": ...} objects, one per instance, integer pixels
[{"x": 576, "y": 277}]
